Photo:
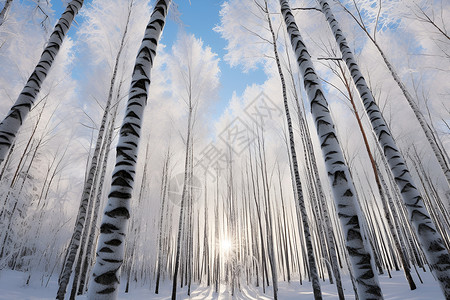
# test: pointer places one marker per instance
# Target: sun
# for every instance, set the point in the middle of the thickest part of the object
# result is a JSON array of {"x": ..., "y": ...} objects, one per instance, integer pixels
[{"x": 226, "y": 246}]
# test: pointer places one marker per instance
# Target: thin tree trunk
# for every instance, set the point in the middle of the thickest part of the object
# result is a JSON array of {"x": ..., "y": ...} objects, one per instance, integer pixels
[
  {"x": 284, "y": 229},
  {"x": 93, "y": 230},
  {"x": 339, "y": 176},
  {"x": 164, "y": 187},
  {"x": 183, "y": 200},
  {"x": 84, "y": 254},
  {"x": 110, "y": 253},
  {"x": 268, "y": 215}
]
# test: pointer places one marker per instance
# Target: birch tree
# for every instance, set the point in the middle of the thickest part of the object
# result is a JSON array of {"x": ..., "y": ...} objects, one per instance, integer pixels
[
  {"x": 432, "y": 138},
  {"x": 10, "y": 126},
  {"x": 338, "y": 173},
  {"x": 298, "y": 184},
  {"x": 340, "y": 72},
  {"x": 194, "y": 68},
  {"x": 110, "y": 251},
  {"x": 313, "y": 171},
  {"x": 163, "y": 194},
  {"x": 184, "y": 195},
  {"x": 81, "y": 230},
  {"x": 90, "y": 248},
  {"x": 429, "y": 237}
]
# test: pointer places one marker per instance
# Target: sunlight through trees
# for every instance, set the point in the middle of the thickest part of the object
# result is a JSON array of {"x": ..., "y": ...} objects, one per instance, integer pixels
[{"x": 268, "y": 149}]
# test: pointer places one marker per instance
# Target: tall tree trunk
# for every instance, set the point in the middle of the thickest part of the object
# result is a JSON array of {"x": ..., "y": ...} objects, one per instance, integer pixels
[
  {"x": 89, "y": 231},
  {"x": 432, "y": 137},
  {"x": 339, "y": 176},
  {"x": 284, "y": 229},
  {"x": 163, "y": 194},
  {"x": 310, "y": 156},
  {"x": 110, "y": 251},
  {"x": 183, "y": 203},
  {"x": 18, "y": 113},
  {"x": 80, "y": 225},
  {"x": 298, "y": 184},
  {"x": 389, "y": 219},
  {"x": 431, "y": 240},
  {"x": 93, "y": 225},
  {"x": 269, "y": 215}
]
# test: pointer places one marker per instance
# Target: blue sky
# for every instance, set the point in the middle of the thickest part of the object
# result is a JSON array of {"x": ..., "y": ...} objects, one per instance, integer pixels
[{"x": 199, "y": 18}]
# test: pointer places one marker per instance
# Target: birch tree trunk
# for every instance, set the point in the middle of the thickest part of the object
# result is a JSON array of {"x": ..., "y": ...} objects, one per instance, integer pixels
[
  {"x": 19, "y": 111},
  {"x": 298, "y": 184},
  {"x": 433, "y": 139},
  {"x": 163, "y": 194},
  {"x": 430, "y": 239},
  {"x": 98, "y": 198},
  {"x": 90, "y": 185},
  {"x": 268, "y": 216},
  {"x": 184, "y": 196},
  {"x": 377, "y": 175},
  {"x": 338, "y": 173},
  {"x": 315, "y": 179},
  {"x": 441, "y": 154},
  {"x": 110, "y": 251}
]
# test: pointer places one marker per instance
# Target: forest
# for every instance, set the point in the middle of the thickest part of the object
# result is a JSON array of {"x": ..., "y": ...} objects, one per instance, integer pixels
[{"x": 228, "y": 149}]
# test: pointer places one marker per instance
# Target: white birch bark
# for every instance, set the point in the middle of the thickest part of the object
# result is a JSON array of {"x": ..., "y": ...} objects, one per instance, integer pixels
[
  {"x": 430, "y": 239},
  {"x": 311, "y": 158},
  {"x": 338, "y": 173},
  {"x": 433, "y": 139},
  {"x": 110, "y": 251},
  {"x": 93, "y": 231},
  {"x": 323, "y": 206},
  {"x": 19, "y": 111},
  {"x": 96, "y": 164},
  {"x": 440, "y": 154},
  {"x": 298, "y": 185},
  {"x": 89, "y": 186},
  {"x": 86, "y": 200}
]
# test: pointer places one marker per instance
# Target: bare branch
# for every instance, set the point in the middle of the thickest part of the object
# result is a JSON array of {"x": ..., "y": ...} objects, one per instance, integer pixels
[
  {"x": 376, "y": 22},
  {"x": 307, "y": 8},
  {"x": 329, "y": 58},
  {"x": 257, "y": 34},
  {"x": 424, "y": 17}
]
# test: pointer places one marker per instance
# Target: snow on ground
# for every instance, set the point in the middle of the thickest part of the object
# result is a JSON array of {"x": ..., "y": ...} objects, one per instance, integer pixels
[{"x": 12, "y": 287}]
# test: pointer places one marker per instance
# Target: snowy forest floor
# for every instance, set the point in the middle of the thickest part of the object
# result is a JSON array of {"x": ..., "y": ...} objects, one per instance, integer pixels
[{"x": 12, "y": 287}]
